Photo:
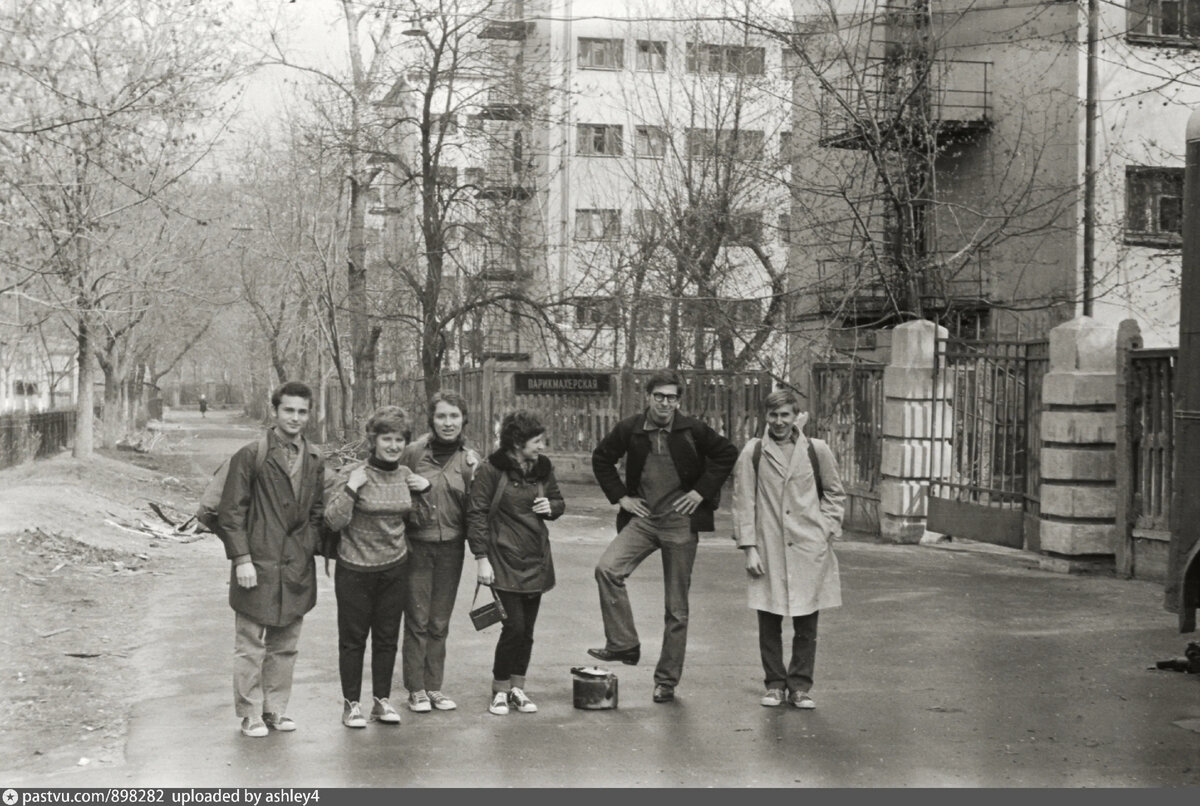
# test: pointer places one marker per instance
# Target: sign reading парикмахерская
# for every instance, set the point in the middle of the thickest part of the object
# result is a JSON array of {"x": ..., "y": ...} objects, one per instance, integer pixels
[{"x": 546, "y": 383}]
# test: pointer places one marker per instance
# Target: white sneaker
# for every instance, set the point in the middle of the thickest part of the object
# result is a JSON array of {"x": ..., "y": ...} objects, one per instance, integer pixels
[
  {"x": 517, "y": 699},
  {"x": 441, "y": 701},
  {"x": 418, "y": 701},
  {"x": 801, "y": 699},
  {"x": 383, "y": 711},
  {"x": 352, "y": 716},
  {"x": 499, "y": 705}
]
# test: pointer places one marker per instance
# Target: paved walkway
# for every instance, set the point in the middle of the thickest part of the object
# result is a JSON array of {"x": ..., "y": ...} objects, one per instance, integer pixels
[{"x": 943, "y": 668}]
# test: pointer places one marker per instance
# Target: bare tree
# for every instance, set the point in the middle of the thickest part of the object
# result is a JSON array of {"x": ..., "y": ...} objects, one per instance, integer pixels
[{"x": 107, "y": 103}]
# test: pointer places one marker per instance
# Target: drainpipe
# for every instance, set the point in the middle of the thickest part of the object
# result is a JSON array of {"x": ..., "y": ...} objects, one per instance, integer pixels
[{"x": 1089, "y": 169}]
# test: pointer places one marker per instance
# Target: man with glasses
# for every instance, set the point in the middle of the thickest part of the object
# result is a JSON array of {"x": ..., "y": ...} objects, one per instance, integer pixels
[{"x": 674, "y": 468}]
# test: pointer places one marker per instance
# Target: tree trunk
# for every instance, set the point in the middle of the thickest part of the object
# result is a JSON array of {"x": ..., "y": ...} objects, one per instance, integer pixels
[
  {"x": 111, "y": 417},
  {"x": 362, "y": 342},
  {"x": 84, "y": 439}
]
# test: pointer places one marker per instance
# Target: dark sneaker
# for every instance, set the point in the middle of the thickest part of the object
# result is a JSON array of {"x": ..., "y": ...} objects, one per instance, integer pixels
[
  {"x": 279, "y": 722},
  {"x": 352, "y": 716},
  {"x": 518, "y": 699},
  {"x": 254, "y": 727},
  {"x": 627, "y": 656},
  {"x": 664, "y": 693},
  {"x": 382, "y": 711},
  {"x": 800, "y": 699},
  {"x": 441, "y": 701},
  {"x": 499, "y": 705}
]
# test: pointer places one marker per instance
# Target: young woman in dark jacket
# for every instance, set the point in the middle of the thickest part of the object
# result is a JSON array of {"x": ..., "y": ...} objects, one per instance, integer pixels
[{"x": 512, "y": 546}]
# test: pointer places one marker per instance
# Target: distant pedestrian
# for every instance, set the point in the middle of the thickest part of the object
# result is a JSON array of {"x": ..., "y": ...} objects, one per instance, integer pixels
[
  {"x": 370, "y": 579},
  {"x": 436, "y": 549},
  {"x": 203, "y": 405},
  {"x": 787, "y": 509},
  {"x": 674, "y": 468},
  {"x": 268, "y": 520},
  {"x": 512, "y": 497}
]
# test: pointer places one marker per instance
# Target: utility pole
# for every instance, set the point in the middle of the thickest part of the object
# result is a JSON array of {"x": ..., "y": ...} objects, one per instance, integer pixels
[{"x": 1089, "y": 157}]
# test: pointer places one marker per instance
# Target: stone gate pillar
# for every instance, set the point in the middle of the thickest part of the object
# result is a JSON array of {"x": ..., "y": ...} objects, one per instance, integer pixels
[
  {"x": 911, "y": 408},
  {"x": 1079, "y": 433}
]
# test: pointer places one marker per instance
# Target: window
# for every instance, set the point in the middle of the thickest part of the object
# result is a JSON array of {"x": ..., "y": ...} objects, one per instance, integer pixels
[
  {"x": 708, "y": 313},
  {"x": 744, "y": 228},
  {"x": 446, "y": 176},
  {"x": 600, "y": 140},
  {"x": 791, "y": 60},
  {"x": 473, "y": 177},
  {"x": 597, "y": 225},
  {"x": 650, "y": 313},
  {"x": 1153, "y": 206},
  {"x": 785, "y": 228},
  {"x": 651, "y": 55},
  {"x": 649, "y": 141},
  {"x": 703, "y": 57},
  {"x": 726, "y": 143},
  {"x": 437, "y": 120},
  {"x": 597, "y": 312},
  {"x": 1175, "y": 19},
  {"x": 785, "y": 146},
  {"x": 601, "y": 54}
]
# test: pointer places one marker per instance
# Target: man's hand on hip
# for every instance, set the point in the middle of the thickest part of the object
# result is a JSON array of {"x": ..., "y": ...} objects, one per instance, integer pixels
[
  {"x": 686, "y": 504},
  {"x": 635, "y": 506}
]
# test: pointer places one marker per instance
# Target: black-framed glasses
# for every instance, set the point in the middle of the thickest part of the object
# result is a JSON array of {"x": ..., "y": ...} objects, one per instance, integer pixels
[{"x": 659, "y": 397}]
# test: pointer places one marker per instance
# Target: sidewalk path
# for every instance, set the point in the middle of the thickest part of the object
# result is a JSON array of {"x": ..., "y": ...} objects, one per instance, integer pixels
[{"x": 943, "y": 668}]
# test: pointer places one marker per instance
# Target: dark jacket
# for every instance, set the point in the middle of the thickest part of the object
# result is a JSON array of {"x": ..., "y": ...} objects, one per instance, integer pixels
[
  {"x": 517, "y": 542},
  {"x": 264, "y": 518},
  {"x": 702, "y": 457}
]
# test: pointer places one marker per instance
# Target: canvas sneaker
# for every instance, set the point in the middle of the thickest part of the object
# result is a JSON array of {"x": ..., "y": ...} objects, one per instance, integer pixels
[
  {"x": 519, "y": 700},
  {"x": 279, "y": 722},
  {"x": 418, "y": 702},
  {"x": 499, "y": 705},
  {"x": 773, "y": 698},
  {"x": 382, "y": 711},
  {"x": 253, "y": 727},
  {"x": 800, "y": 699},
  {"x": 441, "y": 701},
  {"x": 352, "y": 716}
]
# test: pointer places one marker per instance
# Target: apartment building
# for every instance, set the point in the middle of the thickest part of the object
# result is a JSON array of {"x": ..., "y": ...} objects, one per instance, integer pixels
[
  {"x": 626, "y": 172},
  {"x": 962, "y": 134}
]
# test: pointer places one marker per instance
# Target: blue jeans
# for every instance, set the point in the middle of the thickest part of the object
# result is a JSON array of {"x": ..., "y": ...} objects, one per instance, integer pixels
[
  {"x": 434, "y": 569},
  {"x": 638, "y": 540}
]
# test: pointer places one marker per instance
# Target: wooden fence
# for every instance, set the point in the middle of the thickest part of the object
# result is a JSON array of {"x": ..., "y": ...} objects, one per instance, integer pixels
[
  {"x": 25, "y": 436},
  {"x": 730, "y": 402},
  {"x": 847, "y": 412}
]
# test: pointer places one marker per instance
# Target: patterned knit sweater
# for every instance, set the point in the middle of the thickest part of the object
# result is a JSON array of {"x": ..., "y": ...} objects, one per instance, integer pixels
[{"x": 372, "y": 520}]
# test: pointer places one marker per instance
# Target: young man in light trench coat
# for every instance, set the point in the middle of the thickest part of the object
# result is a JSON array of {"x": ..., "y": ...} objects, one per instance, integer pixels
[{"x": 785, "y": 525}]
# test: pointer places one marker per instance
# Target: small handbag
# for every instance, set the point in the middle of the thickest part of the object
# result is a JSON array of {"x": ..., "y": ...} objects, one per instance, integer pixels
[{"x": 488, "y": 614}]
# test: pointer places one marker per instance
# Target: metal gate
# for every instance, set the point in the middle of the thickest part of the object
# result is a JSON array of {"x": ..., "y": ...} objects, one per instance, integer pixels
[{"x": 984, "y": 483}]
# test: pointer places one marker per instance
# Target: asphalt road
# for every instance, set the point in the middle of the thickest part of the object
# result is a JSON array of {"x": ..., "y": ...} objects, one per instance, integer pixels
[{"x": 944, "y": 667}]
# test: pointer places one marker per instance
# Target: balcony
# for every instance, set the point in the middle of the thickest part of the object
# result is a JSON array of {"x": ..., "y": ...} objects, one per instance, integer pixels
[
  {"x": 859, "y": 287},
  {"x": 508, "y": 24},
  {"x": 505, "y": 110},
  {"x": 905, "y": 106},
  {"x": 503, "y": 181}
]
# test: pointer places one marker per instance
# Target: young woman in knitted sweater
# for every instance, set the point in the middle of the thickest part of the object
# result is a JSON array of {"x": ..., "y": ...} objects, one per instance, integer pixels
[{"x": 369, "y": 581}]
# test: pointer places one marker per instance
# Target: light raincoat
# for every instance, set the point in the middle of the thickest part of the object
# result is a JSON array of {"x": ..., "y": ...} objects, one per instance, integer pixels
[{"x": 781, "y": 514}]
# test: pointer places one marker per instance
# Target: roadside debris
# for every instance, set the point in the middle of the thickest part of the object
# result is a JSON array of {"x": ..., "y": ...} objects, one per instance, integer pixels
[{"x": 1189, "y": 663}]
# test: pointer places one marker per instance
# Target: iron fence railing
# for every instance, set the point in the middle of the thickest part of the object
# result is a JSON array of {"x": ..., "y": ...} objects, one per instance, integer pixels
[
  {"x": 847, "y": 412},
  {"x": 1151, "y": 401}
]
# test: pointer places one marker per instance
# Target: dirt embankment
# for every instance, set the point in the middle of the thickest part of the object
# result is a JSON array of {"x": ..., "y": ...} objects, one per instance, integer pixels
[{"x": 77, "y": 573}]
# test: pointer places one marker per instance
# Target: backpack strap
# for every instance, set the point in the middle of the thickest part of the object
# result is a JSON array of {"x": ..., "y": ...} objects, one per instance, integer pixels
[
  {"x": 816, "y": 468},
  {"x": 812, "y": 458}
]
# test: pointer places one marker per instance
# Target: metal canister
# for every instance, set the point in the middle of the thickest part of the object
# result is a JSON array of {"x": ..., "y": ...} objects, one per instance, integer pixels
[{"x": 595, "y": 689}]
